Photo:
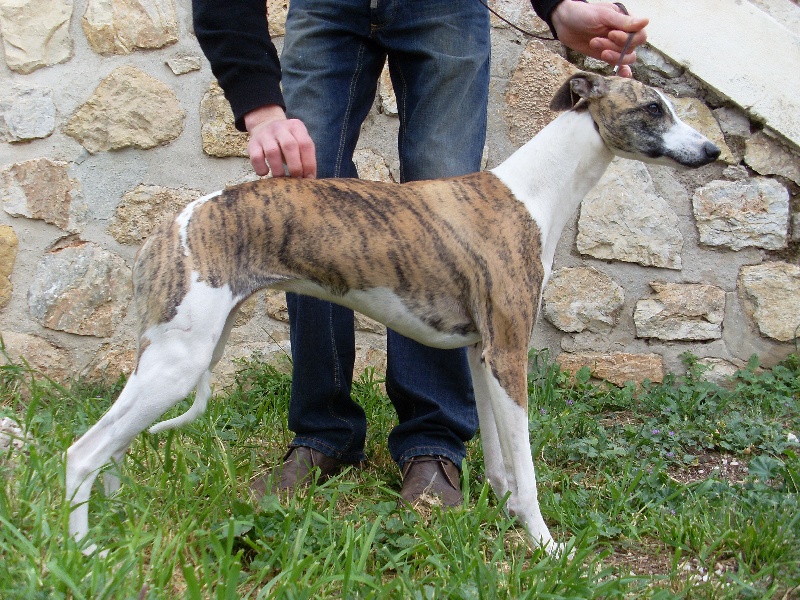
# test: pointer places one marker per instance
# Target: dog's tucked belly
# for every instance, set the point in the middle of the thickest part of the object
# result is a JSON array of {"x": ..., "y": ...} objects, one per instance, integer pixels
[{"x": 452, "y": 330}]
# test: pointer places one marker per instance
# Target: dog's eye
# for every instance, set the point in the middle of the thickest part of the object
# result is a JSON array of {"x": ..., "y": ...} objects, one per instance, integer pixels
[{"x": 654, "y": 109}]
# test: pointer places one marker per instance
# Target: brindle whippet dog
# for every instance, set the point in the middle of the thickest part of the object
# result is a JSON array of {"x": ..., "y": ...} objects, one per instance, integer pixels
[{"x": 450, "y": 263}]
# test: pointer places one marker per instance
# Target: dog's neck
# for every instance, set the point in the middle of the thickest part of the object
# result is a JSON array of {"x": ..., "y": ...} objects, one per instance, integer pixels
[{"x": 553, "y": 172}]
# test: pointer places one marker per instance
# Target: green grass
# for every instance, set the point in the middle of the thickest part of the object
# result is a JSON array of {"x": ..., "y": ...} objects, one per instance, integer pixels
[{"x": 641, "y": 482}]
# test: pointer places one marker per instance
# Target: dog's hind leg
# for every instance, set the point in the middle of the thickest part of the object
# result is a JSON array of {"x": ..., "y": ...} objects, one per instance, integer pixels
[
  {"x": 175, "y": 361},
  {"x": 150, "y": 392},
  {"x": 111, "y": 478},
  {"x": 203, "y": 391}
]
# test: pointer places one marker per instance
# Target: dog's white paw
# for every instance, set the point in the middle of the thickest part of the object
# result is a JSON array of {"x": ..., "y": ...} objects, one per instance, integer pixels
[
  {"x": 553, "y": 548},
  {"x": 93, "y": 550},
  {"x": 559, "y": 550}
]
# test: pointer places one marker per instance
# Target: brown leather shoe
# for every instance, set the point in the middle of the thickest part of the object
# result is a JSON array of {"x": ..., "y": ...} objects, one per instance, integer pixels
[
  {"x": 431, "y": 480},
  {"x": 296, "y": 470}
]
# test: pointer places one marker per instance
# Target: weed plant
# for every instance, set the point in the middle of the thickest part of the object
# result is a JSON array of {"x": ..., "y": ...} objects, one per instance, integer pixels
[{"x": 681, "y": 489}]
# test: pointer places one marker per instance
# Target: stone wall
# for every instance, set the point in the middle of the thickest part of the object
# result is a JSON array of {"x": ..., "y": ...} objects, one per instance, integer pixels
[{"x": 110, "y": 121}]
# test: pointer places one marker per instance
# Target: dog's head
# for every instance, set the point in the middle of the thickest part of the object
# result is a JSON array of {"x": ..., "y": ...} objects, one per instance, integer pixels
[{"x": 635, "y": 121}]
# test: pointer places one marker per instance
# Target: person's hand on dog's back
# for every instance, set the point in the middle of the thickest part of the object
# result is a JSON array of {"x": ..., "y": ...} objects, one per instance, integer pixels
[{"x": 276, "y": 141}]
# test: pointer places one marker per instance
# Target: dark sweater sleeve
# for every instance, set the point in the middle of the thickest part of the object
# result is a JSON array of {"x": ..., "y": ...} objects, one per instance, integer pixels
[
  {"x": 234, "y": 36},
  {"x": 545, "y": 8}
]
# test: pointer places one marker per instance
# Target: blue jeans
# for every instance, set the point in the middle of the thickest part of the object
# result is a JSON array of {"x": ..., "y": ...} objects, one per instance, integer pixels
[{"x": 333, "y": 53}]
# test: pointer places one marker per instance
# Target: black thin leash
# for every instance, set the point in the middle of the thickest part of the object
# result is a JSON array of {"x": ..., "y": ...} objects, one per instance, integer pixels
[
  {"x": 621, "y": 6},
  {"x": 520, "y": 29}
]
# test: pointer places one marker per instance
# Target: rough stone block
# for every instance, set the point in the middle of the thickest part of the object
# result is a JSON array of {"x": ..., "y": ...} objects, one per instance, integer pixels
[
  {"x": 27, "y": 112},
  {"x": 42, "y": 189},
  {"x": 538, "y": 75},
  {"x": 35, "y": 33},
  {"x": 144, "y": 208},
  {"x": 180, "y": 65},
  {"x": 616, "y": 367},
  {"x": 220, "y": 136},
  {"x": 681, "y": 311},
  {"x": 276, "y": 12},
  {"x": 372, "y": 166},
  {"x": 8, "y": 254},
  {"x": 738, "y": 214},
  {"x": 80, "y": 289},
  {"x": 38, "y": 353},
  {"x": 122, "y": 26},
  {"x": 623, "y": 218},
  {"x": 768, "y": 156},
  {"x": 582, "y": 298},
  {"x": 129, "y": 109},
  {"x": 772, "y": 296}
]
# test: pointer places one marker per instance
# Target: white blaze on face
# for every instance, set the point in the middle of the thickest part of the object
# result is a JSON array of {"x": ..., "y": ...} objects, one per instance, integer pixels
[{"x": 681, "y": 141}]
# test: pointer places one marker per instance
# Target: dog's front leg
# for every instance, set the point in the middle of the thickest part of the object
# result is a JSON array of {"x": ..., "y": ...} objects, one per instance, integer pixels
[
  {"x": 490, "y": 442},
  {"x": 506, "y": 382}
]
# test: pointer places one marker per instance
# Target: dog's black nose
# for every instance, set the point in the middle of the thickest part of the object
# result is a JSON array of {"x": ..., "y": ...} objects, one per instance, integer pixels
[{"x": 711, "y": 150}]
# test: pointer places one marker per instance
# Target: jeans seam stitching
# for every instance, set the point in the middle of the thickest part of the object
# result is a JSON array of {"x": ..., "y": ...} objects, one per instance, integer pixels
[
  {"x": 348, "y": 111},
  {"x": 402, "y": 113},
  {"x": 337, "y": 379}
]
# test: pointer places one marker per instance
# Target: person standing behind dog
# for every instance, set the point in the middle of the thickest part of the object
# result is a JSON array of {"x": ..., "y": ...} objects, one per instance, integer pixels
[{"x": 333, "y": 54}]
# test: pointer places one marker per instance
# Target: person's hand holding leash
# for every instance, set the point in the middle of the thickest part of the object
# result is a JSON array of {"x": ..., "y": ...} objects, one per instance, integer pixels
[
  {"x": 276, "y": 141},
  {"x": 599, "y": 31}
]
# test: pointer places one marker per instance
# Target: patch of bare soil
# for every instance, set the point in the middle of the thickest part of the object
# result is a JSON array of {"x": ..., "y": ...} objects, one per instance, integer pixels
[
  {"x": 727, "y": 467},
  {"x": 655, "y": 559},
  {"x": 620, "y": 418},
  {"x": 652, "y": 558}
]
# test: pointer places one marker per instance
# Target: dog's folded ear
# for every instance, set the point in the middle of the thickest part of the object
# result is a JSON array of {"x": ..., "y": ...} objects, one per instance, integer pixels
[{"x": 581, "y": 86}]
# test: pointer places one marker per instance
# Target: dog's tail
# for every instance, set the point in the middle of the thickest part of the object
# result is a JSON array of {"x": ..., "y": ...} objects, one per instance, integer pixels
[{"x": 198, "y": 407}]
